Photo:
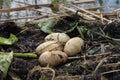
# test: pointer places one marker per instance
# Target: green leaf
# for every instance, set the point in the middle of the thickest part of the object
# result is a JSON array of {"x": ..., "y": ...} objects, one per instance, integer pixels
[
  {"x": 11, "y": 40},
  {"x": 85, "y": 32},
  {"x": 47, "y": 25},
  {"x": 54, "y": 6},
  {"x": 65, "y": 2},
  {"x": 94, "y": 50},
  {"x": 5, "y": 61},
  {"x": 54, "y": 1},
  {"x": 41, "y": 78},
  {"x": 81, "y": 32},
  {"x": 74, "y": 25}
]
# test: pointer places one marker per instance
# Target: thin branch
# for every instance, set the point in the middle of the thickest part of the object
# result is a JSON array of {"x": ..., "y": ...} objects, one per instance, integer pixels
[
  {"x": 111, "y": 64},
  {"x": 83, "y": 1},
  {"x": 99, "y": 64},
  {"x": 91, "y": 56},
  {"x": 95, "y": 8},
  {"x": 110, "y": 72},
  {"x": 81, "y": 14},
  {"x": 86, "y": 11},
  {"x": 26, "y": 17},
  {"x": 27, "y": 7}
]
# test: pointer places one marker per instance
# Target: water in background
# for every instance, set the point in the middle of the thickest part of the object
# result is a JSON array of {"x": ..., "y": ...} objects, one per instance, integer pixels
[{"x": 113, "y": 4}]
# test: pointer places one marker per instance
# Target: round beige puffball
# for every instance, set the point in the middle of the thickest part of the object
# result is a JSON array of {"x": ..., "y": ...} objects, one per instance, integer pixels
[
  {"x": 48, "y": 46},
  {"x": 60, "y": 37},
  {"x": 73, "y": 46},
  {"x": 52, "y": 58}
]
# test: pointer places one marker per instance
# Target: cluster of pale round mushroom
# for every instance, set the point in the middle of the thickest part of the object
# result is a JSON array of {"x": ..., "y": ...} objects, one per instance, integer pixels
[{"x": 57, "y": 48}]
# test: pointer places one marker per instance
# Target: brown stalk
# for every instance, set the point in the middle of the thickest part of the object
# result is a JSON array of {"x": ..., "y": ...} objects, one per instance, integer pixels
[
  {"x": 88, "y": 12},
  {"x": 91, "y": 56}
]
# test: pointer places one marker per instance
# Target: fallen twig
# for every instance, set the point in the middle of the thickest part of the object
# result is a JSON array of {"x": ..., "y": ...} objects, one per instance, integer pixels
[
  {"x": 104, "y": 13},
  {"x": 111, "y": 64},
  {"x": 82, "y": 15},
  {"x": 99, "y": 64},
  {"x": 116, "y": 10},
  {"x": 83, "y": 1},
  {"x": 105, "y": 36},
  {"x": 91, "y": 56},
  {"x": 110, "y": 72},
  {"x": 38, "y": 10},
  {"x": 95, "y": 8},
  {"x": 33, "y": 6},
  {"x": 86, "y": 11},
  {"x": 17, "y": 8},
  {"x": 26, "y": 17}
]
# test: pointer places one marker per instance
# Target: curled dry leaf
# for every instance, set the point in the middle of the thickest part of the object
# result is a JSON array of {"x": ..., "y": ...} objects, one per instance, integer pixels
[
  {"x": 73, "y": 46},
  {"x": 48, "y": 46},
  {"x": 60, "y": 37},
  {"x": 52, "y": 58}
]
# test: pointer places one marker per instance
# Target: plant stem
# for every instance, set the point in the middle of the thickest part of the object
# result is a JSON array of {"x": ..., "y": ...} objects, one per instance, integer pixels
[{"x": 23, "y": 55}]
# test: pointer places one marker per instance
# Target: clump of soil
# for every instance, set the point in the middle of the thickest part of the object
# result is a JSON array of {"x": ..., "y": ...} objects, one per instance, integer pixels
[
  {"x": 29, "y": 38},
  {"x": 113, "y": 29},
  {"x": 9, "y": 27},
  {"x": 66, "y": 23}
]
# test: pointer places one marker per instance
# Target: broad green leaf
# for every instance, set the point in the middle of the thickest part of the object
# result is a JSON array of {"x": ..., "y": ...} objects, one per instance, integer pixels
[
  {"x": 5, "y": 61},
  {"x": 47, "y": 25},
  {"x": 11, "y": 40}
]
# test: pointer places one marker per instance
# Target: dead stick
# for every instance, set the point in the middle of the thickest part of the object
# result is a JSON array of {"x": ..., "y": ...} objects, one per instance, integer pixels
[
  {"x": 110, "y": 72},
  {"x": 116, "y": 10},
  {"x": 99, "y": 64},
  {"x": 111, "y": 64},
  {"x": 91, "y": 56},
  {"x": 17, "y": 8},
  {"x": 104, "y": 13},
  {"x": 82, "y": 2},
  {"x": 26, "y": 17},
  {"x": 38, "y": 10},
  {"x": 22, "y": 8},
  {"x": 82, "y": 15},
  {"x": 26, "y": 7},
  {"x": 86, "y": 11},
  {"x": 95, "y": 8}
]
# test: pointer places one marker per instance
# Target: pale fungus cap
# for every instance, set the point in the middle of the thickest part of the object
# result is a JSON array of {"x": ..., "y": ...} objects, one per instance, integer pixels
[
  {"x": 48, "y": 46},
  {"x": 52, "y": 58},
  {"x": 73, "y": 46},
  {"x": 60, "y": 37}
]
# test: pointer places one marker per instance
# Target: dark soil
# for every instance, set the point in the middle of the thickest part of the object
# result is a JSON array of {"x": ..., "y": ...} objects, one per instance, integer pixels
[
  {"x": 77, "y": 69},
  {"x": 113, "y": 29}
]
